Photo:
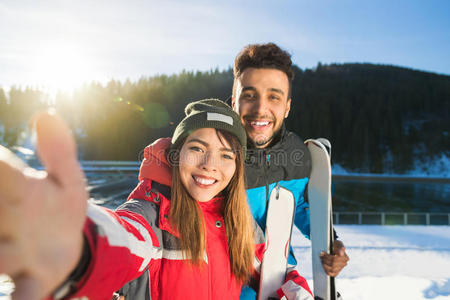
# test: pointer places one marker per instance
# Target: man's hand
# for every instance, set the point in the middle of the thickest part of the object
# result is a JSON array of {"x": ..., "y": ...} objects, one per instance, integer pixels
[
  {"x": 334, "y": 263},
  {"x": 42, "y": 212}
]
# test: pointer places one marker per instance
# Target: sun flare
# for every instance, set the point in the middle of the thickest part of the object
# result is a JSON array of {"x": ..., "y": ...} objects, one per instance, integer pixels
[{"x": 62, "y": 67}]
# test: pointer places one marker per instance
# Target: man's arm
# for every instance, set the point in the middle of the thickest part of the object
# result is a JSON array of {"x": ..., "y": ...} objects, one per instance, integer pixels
[
  {"x": 332, "y": 263},
  {"x": 335, "y": 262}
]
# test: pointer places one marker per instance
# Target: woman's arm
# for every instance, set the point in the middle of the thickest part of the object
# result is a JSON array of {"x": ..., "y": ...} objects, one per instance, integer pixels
[
  {"x": 121, "y": 244},
  {"x": 42, "y": 213},
  {"x": 45, "y": 223}
]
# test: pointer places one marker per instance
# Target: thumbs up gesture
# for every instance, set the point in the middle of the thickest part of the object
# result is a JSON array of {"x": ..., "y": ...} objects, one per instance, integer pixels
[{"x": 42, "y": 212}]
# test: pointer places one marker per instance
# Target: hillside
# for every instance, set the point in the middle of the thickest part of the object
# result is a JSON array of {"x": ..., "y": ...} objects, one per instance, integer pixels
[{"x": 379, "y": 118}]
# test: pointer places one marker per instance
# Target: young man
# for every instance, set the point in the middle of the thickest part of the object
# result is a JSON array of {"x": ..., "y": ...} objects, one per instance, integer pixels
[{"x": 262, "y": 86}]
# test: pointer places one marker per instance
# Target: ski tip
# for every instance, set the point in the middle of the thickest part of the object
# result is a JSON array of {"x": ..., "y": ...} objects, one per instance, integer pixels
[
  {"x": 326, "y": 143},
  {"x": 322, "y": 143}
]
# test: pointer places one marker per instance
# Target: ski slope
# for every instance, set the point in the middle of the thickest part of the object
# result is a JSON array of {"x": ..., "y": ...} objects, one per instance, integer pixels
[{"x": 386, "y": 262}]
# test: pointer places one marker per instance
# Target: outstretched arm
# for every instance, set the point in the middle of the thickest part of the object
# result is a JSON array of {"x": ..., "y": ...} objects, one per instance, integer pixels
[
  {"x": 42, "y": 212},
  {"x": 46, "y": 225}
]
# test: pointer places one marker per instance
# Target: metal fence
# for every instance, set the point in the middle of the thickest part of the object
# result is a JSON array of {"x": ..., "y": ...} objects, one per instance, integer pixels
[
  {"x": 359, "y": 218},
  {"x": 391, "y": 218},
  {"x": 110, "y": 166}
]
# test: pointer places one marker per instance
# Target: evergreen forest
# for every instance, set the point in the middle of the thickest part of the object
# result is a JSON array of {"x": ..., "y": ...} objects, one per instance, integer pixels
[{"x": 379, "y": 118}]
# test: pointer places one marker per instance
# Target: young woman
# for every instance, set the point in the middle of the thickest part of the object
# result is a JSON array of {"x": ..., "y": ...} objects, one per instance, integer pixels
[{"x": 185, "y": 232}]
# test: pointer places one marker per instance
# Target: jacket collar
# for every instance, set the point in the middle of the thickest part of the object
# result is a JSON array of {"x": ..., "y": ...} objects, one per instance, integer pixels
[{"x": 256, "y": 155}]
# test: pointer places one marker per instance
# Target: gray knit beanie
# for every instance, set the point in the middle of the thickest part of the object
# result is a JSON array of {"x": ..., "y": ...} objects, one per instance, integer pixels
[{"x": 209, "y": 113}]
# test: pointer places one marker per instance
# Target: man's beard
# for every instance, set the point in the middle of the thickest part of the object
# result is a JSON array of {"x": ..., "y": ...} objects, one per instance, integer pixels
[{"x": 262, "y": 140}]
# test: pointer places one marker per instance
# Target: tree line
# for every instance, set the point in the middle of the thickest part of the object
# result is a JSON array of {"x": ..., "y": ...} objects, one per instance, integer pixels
[{"x": 379, "y": 118}]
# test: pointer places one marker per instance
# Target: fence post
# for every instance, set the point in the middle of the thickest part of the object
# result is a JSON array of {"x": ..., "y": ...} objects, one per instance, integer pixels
[
  {"x": 427, "y": 218},
  {"x": 336, "y": 221},
  {"x": 405, "y": 219},
  {"x": 359, "y": 218},
  {"x": 383, "y": 219}
]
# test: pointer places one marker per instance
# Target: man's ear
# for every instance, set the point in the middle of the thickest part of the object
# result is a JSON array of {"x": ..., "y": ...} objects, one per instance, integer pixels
[
  {"x": 233, "y": 103},
  {"x": 288, "y": 108}
]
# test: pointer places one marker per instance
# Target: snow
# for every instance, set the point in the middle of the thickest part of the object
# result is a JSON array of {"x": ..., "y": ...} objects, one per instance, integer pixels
[
  {"x": 6, "y": 286},
  {"x": 386, "y": 262},
  {"x": 438, "y": 167}
]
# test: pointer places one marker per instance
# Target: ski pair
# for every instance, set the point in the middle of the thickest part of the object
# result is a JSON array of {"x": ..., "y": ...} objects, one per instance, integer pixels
[{"x": 279, "y": 221}]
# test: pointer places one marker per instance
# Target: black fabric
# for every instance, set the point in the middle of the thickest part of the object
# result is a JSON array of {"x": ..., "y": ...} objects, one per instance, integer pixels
[
  {"x": 138, "y": 288},
  {"x": 197, "y": 116},
  {"x": 289, "y": 159}
]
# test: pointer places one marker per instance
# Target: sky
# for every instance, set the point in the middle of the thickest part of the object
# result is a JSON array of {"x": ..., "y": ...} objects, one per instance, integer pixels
[{"x": 60, "y": 44}]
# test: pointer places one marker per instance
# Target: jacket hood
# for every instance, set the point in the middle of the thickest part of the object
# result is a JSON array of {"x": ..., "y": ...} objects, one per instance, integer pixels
[{"x": 155, "y": 166}]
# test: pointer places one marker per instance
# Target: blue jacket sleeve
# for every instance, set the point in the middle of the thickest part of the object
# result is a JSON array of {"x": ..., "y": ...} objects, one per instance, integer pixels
[{"x": 301, "y": 220}]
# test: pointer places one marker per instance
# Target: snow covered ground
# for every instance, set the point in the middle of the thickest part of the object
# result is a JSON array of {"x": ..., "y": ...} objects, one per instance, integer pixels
[
  {"x": 386, "y": 262},
  {"x": 389, "y": 262},
  {"x": 437, "y": 167}
]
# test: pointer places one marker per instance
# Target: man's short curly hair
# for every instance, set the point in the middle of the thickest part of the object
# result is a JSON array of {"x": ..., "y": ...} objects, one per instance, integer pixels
[
  {"x": 268, "y": 56},
  {"x": 263, "y": 56}
]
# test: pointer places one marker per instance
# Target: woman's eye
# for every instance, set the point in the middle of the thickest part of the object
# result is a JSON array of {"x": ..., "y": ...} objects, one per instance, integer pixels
[
  {"x": 227, "y": 156},
  {"x": 196, "y": 149}
]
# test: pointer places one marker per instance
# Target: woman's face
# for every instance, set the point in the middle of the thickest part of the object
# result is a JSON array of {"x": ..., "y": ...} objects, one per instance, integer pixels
[{"x": 207, "y": 164}]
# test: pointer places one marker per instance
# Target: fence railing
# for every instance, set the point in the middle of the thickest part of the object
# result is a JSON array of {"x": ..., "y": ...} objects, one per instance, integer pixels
[
  {"x": 391, "y": 218},
  {"x": 360, "y": 218},
  {"x": 110, "y": 166}
]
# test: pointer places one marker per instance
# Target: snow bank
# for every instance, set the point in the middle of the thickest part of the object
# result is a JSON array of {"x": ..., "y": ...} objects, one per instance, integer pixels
[
  {"x": 386, "y": 262},
  {"x": 438, "y": 167}
]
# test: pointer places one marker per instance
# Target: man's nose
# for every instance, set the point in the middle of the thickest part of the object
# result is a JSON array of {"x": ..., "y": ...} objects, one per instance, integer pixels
[{"x": 260, "y": 105}]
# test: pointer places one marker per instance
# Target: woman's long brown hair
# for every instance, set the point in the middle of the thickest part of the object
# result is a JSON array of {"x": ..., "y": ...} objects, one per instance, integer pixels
[{"x": 186, "y": 217}]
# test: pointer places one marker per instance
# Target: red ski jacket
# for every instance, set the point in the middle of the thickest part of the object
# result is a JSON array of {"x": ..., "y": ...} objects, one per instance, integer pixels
[{"x": 136, "y": 250}]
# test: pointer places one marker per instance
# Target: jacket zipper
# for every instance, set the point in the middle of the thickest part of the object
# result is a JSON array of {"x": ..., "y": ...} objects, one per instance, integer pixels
[{"x": 266, "y": 169}]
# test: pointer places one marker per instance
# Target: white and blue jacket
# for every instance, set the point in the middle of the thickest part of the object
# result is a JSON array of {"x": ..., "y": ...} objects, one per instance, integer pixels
[{"x": 288, "y": 163}]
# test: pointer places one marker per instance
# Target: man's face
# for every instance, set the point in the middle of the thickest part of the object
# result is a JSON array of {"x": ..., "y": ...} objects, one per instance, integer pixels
[{"x": 261, "y": 99}]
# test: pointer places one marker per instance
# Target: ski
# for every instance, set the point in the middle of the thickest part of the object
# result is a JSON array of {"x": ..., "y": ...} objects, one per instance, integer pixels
[
  {"x": 321, "y": 218},
  {"x": 280, "y": 217}
]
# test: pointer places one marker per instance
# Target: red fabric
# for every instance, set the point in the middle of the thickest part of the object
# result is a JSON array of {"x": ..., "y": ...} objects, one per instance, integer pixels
[
  {"x": 155, "y": 166},
  {"x": 115, "y": 258},
  {"x": 298, "y": 280}
]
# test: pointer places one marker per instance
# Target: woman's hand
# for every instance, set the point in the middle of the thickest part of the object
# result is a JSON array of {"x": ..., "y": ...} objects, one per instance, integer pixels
[{"x": 42, "y": 212}]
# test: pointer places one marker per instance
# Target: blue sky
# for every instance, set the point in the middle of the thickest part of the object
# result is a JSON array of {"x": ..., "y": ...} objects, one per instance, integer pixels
[{"x": 60, "y": 44}]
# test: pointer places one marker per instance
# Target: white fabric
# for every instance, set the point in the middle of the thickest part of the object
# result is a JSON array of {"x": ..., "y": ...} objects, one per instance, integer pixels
[
  {"x": 219, "y": 117},
  {"x": 118, "y": 236},
  {"x": 293, "y": 291}
]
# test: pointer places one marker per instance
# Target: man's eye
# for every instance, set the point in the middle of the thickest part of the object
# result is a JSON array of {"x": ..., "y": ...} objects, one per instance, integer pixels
[
  {"x": 247, "y": 96},
  {"x": 274, "y": 97}
]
